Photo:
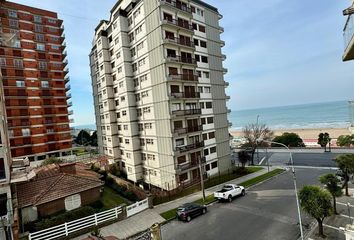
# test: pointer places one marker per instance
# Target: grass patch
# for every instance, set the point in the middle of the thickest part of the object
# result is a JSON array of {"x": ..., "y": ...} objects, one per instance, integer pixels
[
  {"x": 261, "y": 178},
  {"x": 111, "y": 199},
  {"x": 170, "y": 214},
  {"x": 208, "y": 199}
]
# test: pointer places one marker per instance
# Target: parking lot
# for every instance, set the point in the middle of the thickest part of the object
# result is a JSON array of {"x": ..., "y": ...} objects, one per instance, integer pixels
[{"x": 268, "y": 211}]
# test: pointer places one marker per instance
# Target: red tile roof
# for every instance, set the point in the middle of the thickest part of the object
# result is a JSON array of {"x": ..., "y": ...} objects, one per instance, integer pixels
[{"x": 51, "y": 184}]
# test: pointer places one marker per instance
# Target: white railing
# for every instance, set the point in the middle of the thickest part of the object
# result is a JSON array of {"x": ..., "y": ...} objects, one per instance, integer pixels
[
  {"x": 137, "y": 207},
  {"x": 71, "y": 227}
]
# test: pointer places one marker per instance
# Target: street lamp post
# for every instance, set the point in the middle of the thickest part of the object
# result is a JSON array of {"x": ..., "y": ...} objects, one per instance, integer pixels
[
  {"x": 294, "y": 178},
  {"x": 257, "y": 144}
]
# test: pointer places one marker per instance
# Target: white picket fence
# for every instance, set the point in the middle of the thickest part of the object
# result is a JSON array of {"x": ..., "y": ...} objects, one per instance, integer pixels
[
  {"x": 76, "y": 225},
  {"x": 66, "y": 229},
  {"x": 137, "y": 207}
]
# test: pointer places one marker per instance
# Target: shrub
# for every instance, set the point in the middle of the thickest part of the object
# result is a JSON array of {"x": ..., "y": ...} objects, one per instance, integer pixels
[{"x": 51, "y": 160}]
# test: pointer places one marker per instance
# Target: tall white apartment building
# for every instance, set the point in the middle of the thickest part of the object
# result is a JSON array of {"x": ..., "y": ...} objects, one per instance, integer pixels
[{"x": 159, "y": 91}]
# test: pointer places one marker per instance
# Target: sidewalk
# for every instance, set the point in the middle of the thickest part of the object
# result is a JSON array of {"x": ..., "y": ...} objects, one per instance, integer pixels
[{"x": 144, "y": 220}]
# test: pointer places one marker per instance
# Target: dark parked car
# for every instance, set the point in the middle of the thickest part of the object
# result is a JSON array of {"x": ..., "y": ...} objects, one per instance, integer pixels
[{"x": 190, "y": 210}]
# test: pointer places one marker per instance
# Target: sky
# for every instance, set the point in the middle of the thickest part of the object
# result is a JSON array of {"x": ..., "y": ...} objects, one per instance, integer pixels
[{"x": 279, "y": 52}]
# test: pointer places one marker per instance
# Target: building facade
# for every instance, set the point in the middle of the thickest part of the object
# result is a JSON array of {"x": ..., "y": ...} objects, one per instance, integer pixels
[
  {"x": 348, "y": 33},
  {"x": 35, "y": 82},
  {"x": 159, "y": 91}
]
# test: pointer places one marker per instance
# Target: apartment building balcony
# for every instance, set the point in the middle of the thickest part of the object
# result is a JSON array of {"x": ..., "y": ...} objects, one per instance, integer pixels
[
  {"x": 178, "y": 23},
  {"x": 183, "y": 60},
  {"x": 71, "y": 112},
  {"x": 65, "y": 53},
  {"x": 191, "y": 182},
  {"x": 226, "y": 84},
  {"x": 179, "y": 42},
  {"x": 190, "y": 129},
  {"x": 68, "y": 95},
  {"x": 187, "y": 112},
  {"x": 65, "y": 62},
  {"x": 348, "y": 34},
  {"x": 67, "y": 87},
  {"x": 223, "y": 56},
  {"x": 183, "y": 77},
  {"x": 190, "y": 147},
  {"x": 66, "y": 71},
  {"x": 176, "y": 5},
  {"x": 224, "y": 70},
  {"x": 189, "y": 165},
  {"x": 67, "y": 79},
  {"x": 70, "y": 104},
  {"x": 180, "y": 95}
]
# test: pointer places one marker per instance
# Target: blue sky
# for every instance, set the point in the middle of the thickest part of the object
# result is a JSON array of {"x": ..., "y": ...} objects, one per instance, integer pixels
[{"x": 279, "y": 52}]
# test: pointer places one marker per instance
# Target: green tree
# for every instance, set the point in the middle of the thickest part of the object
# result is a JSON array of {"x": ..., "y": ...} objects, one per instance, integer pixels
[
  {"x": 289, "y": 139},
  {"x": 317, "y": 203},
  {"x": 331, "y": 182},
  {"x": 243, "y": 157},
  {"x": 93, "y": 139},
  {"x": 83, "y": 138},
  {"x": 345, "y": 140},
  {"x": 252, "y": 132},
  {"x": 323, "y": 140},
  {"x": 346, "y": 163}
]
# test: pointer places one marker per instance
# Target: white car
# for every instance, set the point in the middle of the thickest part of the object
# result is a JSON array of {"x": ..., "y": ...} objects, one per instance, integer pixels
[{"x": 229, "y": 191}]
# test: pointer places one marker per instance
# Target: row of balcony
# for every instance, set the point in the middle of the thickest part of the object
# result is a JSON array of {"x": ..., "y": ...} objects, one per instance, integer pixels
[
  {"x": 185, "y": 95},
  {"x": 178, "y": 5},
  {"x": 187, "y": 112},
  {"x": 190, "y": 147},
  {"x": 189, "y": 129},
  {"x": 179, "y": 23},
  {"x": 184, "y": 77},
  {"x": 180, "y": 59},
  {"x": 192, "y": 164},
  {"x": 180, "y": 41}
]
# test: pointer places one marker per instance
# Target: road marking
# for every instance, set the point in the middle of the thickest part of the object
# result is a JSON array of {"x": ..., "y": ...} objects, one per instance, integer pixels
[
  {"x": 260, "y": 163},
  {"x": 313, "y": 167},
  {"x": 346, "y": 216}
]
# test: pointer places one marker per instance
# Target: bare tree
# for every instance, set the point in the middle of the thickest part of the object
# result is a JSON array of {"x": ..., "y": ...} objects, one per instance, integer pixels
[{"x": 254, "y": 131}]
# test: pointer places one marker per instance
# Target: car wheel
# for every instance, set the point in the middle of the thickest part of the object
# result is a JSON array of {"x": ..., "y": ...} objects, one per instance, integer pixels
[
  {"x": 188, "y": 218},
  {"x": 243, "y": 193},
  {"x": 204, "y": 211},
  {"x": 229, "y": 198}
]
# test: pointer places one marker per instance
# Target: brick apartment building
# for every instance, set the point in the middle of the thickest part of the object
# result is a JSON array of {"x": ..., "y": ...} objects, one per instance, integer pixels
[{"x": 35, "y": 83}]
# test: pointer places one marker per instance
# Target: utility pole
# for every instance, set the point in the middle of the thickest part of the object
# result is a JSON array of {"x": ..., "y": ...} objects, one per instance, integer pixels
[
  {"x": 202, "y": 177},
  {"x": 257, "y": 143}
]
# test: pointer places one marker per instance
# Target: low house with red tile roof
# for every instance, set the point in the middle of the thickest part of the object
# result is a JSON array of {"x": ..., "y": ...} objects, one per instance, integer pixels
[{"x": 58, "y": 187}]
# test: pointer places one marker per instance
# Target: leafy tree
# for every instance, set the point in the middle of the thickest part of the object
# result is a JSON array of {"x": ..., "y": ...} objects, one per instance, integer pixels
[
  {"x": 331, "y": 182},
  {"x": 345, "y": 140},
  {"x": 93, "y": 139},
  {"x": 252, "y": 132},
  {"x": 290, "y": 140},
  {"x": 323, "y": 140},
  {"x": 317, "y": 203},
  {"x": 346, "y": 163},
  {"x": 83, "y": 138},
  {"x": 243, "y": 157}
]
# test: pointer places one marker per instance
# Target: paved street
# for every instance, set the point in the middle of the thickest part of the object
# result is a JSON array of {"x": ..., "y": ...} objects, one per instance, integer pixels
[{"x": 268, "y": 211}]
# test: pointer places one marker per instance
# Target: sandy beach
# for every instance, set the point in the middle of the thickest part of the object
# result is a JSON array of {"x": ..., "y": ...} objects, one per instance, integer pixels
[{"x": 310, "y": 133}]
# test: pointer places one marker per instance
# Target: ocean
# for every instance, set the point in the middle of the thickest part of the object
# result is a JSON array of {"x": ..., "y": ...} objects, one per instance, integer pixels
[{"x": 317, "y": 115}]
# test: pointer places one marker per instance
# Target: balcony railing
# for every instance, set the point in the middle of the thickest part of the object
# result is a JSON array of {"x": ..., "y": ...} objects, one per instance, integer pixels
[
  {"x": 179, "y": 23},
  {"x": 188, "y": 129},
  {"x": 179, "y": 59},
  {"x": 176, "y": 5},
  {"x": 190, "y": 147},
  {"x": 184, "y": 77},
  {"x": 348, "y": 34},
  {"x": 187, "y": 112},
  {"x": 185, "y": 95},
  {"x": 180, "y": 41}
]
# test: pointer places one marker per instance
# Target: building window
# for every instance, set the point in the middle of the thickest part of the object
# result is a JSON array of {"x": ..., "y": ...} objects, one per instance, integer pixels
[
  {"x": 212, "y": 150},
  {"x": 142, "y": 62},
  {"x": 204, "y": 59},
  {"x": 2, "y": 62},
  {"x": 18, "y": 63},
  {"x": 42, "y": 65},
  {"x": 72, "y": 202},
  {"x": 139, "y": 30},
  {"x": 45, "y": 84},
  {"x": 202, "y": 28},
  {"x": 140, "y": 46},
  {"x": 214, "y": 165},
  {"x": 40, "y": 47},
  {"x": 13, "y": 23},
  {"x": 38, "y": 28},
  {"x": 203, "y": 44},
  {"x": 40, "y": 37},
  {"x": 52, "y": 21},
  {"x": 20, "y": 84},
  {"x": 206, "y": 74},
  {"x": 37, "y": 19},
  {"x": 2, "y": 170},
  {"x": 3, "y": 204},
  {"x": 180, "y": 142},
  {"x": 127, "y": 141},
  {"x": 209, "y": 105},
  {"x": 26, "y": 132},
  {"x": 210, "y": 120},
  {"x": 12, "y": 13}
]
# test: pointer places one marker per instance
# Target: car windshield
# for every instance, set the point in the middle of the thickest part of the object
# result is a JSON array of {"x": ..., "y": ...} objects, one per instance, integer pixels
[{"x": 227, "y": 187}]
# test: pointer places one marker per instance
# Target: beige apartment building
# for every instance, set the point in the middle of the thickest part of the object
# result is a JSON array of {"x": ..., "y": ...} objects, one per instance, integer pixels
[
  {"x": 159, "y": 91},
  {"x": 348, "y": 33}
]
